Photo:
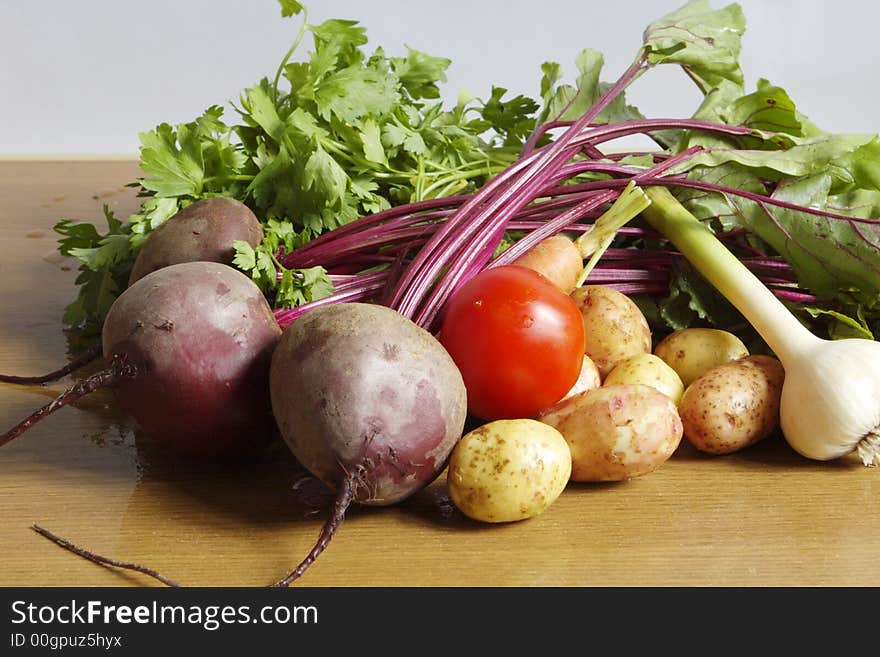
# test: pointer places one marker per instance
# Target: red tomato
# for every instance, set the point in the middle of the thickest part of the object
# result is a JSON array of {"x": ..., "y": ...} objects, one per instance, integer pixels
[{"x": 517, "y": 340}]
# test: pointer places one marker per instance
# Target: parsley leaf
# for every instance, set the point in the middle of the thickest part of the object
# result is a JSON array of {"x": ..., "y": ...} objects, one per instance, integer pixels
[
  {"x": 290, "y": 7},
  {"x": 512, "y": 118},
  {"x": 419, "y": 73}
]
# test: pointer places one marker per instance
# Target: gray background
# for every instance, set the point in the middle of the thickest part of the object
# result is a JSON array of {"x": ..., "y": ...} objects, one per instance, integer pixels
[{"x": 87, "y": 76}]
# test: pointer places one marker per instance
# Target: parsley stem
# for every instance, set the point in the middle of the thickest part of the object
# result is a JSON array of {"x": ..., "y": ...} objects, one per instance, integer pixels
[
  {"x": 296, "y": 42},
  {"x": 225, "y": 178},
  {"x": 336, "y": 148},
  {"x": 484, "y": 170},
  {"x": 419, "y": 192}
]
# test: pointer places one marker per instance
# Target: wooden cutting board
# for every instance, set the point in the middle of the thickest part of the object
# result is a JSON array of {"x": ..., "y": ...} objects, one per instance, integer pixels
[{"x": 765, "y": 516}]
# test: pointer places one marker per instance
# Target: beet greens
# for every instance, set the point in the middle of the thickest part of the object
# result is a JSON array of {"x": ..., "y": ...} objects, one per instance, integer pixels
[{"x": 800, "y": 227}]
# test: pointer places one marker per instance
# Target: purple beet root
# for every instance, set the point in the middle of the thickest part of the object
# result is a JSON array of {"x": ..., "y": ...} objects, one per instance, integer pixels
[
  {"x": 202, "y": 232},
  {"x": 188, "y": 349},
  {"x": 369, "y": 402}
]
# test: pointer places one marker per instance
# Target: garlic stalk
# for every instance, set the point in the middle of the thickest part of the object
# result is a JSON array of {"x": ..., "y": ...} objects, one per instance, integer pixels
[
  {"x": 593, "y": 243},
  {"x": 830, "y": 404}
]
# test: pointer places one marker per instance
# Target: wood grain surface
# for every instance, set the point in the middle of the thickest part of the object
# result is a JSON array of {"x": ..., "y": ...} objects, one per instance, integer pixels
[{"x": 763, "y": 517}]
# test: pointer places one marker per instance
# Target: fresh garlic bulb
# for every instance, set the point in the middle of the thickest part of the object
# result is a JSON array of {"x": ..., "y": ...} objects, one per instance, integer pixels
[{"x": 831, "y": 400}]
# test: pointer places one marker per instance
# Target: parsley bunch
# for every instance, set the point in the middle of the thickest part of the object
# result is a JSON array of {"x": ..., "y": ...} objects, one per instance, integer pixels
[
  {"x": 341, "y": 134},
  {"x": 344, "y": 133}
]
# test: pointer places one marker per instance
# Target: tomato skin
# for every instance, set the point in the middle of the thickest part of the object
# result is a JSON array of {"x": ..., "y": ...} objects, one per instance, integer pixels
[{"x": 517, "y": 340}]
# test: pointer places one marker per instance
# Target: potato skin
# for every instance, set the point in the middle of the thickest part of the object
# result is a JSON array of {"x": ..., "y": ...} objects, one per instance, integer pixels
[
  {"x": 734, "y": 405},
  {"x": 359, "y": 388},
  {"x": 508, "y": 470},
  {"x": 617, "y": 432},
  {"x": 202, "y": 231},
  {"x": 649, "y": 370},
  {"x": 692, "y": 352},
  {"x": 588, "y": 379},
  {"x": 614, "y": 326},
  {"x": 201, "y": 336}
]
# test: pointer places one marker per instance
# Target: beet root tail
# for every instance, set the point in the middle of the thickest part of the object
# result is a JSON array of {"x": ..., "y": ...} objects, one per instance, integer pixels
[
  {"x": 101, "y": 379},
  {"x": 102, "y": 561},
  {"x": 343, "y": 499},
  {"x": 80, "y": 361}
]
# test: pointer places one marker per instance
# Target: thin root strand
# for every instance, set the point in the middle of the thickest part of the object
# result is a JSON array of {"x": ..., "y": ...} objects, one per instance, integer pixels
[
  {"x": 80, "y": 361},
  {"x": 100, "y": 560},
  {"x": 340, "y": 505},
  {"x": 106, "y": 377},
  {"x": 869, "y": 448}
]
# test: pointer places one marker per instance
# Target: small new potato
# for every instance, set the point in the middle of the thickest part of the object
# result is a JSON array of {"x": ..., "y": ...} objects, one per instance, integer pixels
[
  {"x": 588, "y": 379},
  {"x": 692, "y": 352},
  {"x": 649, "y": 370},
  {"x": 617, "y": 432},
  {"x": 614, "y": 326},
  {"x": 508, "y": 470},
  {"x": 558, "y": 259},
  {"x": 734, "y": 405}
]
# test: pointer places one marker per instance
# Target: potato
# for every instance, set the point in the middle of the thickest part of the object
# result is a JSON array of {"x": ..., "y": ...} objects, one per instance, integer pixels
[
  {"x": 734, "y": 405},
  {"x": 617, "y": 432},
  {"x": 588, "y": 379},
  {"x": 767, "y": 364},
  {"x": 614, "y": 327},
  {"x": 692, "y": 352},
  {"x": 649, "y": 370},
  {"x": 557, "y": 258},
  {"x": 508, "y": 470}
]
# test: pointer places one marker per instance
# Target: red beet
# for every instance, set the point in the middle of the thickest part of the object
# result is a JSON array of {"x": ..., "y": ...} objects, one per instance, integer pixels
[
  {"x": 369, "y": 402},
  {"x": 188, "y": 349}
]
